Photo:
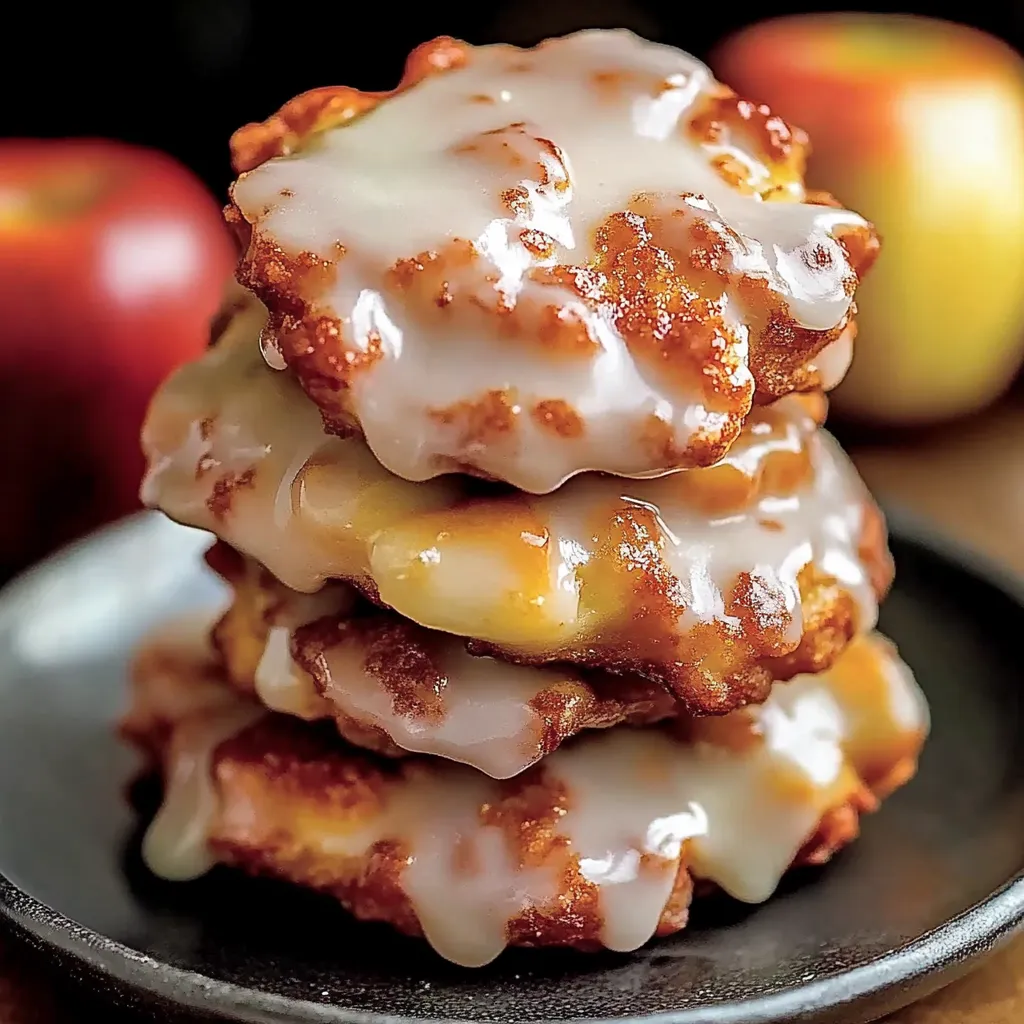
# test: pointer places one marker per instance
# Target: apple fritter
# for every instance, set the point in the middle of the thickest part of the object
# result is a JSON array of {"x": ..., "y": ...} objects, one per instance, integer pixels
[
  {"x": 601, "y": 844},
  {"x": 530, "y": 263},
  {"x": 713, "y": 582},
  {"x": 396, "y": 688}
]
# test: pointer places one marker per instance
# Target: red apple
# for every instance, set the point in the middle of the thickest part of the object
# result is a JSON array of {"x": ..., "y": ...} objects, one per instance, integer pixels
[{"x": 113, "y": 259}]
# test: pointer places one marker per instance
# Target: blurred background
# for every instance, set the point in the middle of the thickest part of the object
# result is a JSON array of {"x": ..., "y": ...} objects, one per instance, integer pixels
[
  {"x": 183, "y": 74},
  {"x": 917, "y": 124}
]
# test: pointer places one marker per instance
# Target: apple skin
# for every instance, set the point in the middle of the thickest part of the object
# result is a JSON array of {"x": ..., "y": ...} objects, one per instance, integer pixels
[
  {"x": 917, "y": 124},
  {"x": 113, "y": 260}
]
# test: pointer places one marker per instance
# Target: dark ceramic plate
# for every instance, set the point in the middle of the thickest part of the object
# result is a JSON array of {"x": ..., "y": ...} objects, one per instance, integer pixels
[{"x": 934, "y": 883}]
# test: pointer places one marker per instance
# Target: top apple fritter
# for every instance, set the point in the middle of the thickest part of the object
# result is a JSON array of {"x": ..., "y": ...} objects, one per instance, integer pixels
[{"x": 527, "y": 263}]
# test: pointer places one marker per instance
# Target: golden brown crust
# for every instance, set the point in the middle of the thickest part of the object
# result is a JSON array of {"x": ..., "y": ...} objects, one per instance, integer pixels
[
  {"x": 559, "y": 417},
  {"x": 726, "y": 118},
  {"x": 319, "y": 109},
  {"x": 718, "y": 666},
  {"x": 481, "y": 421},
  {"x": 239, "y": 636},
  {"x": 219, "y": 502}
]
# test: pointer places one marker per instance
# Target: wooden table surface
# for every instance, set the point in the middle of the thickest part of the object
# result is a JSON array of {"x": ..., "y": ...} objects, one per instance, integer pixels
[{"x": 969, "y": 480}]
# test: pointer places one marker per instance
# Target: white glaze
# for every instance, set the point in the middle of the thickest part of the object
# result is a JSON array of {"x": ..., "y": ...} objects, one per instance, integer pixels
[
  {"x": 635, "y": 803},
  {"x": 424, "y": 169},
  {"x": 463, "y": 912},
  {"x": 509, "y": 571},
  {"x": 176, "y": 681},
  {"x": 280, "y": 684},
  {"x": 175, "y": 845},
  {"x": 485, "y": 715},
  {"x": 834, "y": 360}
]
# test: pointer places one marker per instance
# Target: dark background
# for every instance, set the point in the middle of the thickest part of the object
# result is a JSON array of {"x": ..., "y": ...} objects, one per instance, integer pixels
[{"x": 183, "y": 74}]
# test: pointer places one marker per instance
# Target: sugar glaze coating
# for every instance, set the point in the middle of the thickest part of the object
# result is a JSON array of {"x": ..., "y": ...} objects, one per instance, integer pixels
[{"x": 525, "y": 264}]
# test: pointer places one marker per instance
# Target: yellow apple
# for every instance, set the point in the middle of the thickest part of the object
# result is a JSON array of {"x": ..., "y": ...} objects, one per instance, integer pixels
[{"x": 917, "y": 124}]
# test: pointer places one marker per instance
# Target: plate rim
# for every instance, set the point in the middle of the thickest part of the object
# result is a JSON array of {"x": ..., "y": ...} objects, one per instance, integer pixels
[{"x": 938, "y": 955}]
